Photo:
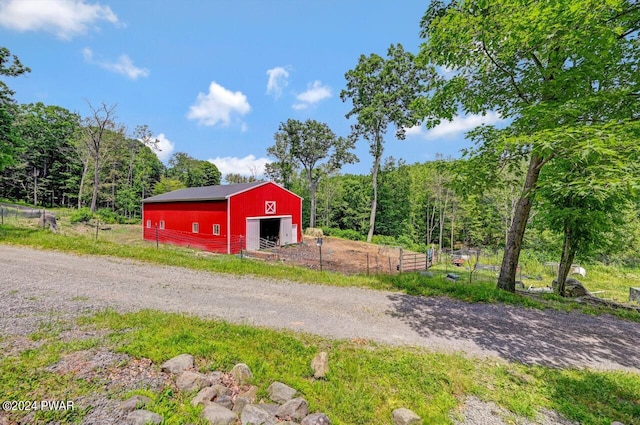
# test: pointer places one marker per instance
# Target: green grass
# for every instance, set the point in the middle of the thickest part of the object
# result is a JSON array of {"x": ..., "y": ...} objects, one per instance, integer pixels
[{"x": 365, "y": 383}]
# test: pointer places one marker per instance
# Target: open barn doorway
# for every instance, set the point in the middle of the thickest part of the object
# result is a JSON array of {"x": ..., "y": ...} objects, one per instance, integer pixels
[{"x": 270, "y": 231}]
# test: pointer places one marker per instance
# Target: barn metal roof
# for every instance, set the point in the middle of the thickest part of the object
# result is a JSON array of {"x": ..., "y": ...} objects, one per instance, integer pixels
[{"x": 206, "y": 193}]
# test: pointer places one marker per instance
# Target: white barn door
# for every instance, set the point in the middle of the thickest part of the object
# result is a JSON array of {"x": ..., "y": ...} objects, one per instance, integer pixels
[
  {"x": 285, "y": 230},
  {"x": 253, "y": 234}
]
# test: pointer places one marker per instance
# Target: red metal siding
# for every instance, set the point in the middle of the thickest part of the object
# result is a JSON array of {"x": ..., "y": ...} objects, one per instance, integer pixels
[
  {"x": 252, "y": 204},
  {"x": 179, "y": 217},
  {"x": 178, "y": 221}
]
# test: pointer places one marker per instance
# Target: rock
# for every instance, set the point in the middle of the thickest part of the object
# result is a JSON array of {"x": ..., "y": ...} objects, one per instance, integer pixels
[
  {"x": 225, "y": 401},
  {"x": 215, "y": 377},
  {"x": 634, "y": 294},
  {"x": 240, "y": 403},
  {"x": 320, "y": 365},
  {"x": 296, "y": 408},
  {"x": 251, "y": 393},
  {"x": 316, "y": 419},
  {"x": 192, "y": 381},
  {"x": 204, "y": 396},
  {"x": 616, "y": 423},
  {"x": 242, "y": 373},
  {"x": 280, "y": 393},
  {"x": 404, "y": 416},
  {"x": 178, "y": 364},
  {"x": 134, "y": 402},
  {"x": 221, "y": 390},
  {"x": 270, "y": 408},
  {"x": 144, "y": 417},
  {"x": 573, "y": 288},
  {"x": 254, "y": 415},
  {"x": 218, "y": 415}
]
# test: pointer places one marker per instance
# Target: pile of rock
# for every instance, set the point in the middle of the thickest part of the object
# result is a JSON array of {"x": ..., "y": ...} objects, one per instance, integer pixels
[{"x": 229, "y": 398}]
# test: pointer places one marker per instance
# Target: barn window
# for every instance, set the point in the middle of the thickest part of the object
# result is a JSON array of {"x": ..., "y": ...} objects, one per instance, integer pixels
[
  {"x": 270, "y": 207},
  {"x": 148, "y": 224},
  {"x": 161, "y": 224},
  {"x": 195, "y": 227},
  {"x": 216, "y": 229}
]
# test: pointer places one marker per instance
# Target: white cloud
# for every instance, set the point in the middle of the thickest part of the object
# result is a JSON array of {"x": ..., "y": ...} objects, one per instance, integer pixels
[
  {"x": 277, "y": 81},
  {"x": 454, "y": 127},
  {"x": 124, "y": 65},
  {"x": 314, "y": 94},
  {"x": 218, "y": 105},
  {"x": 64, "y": 18},
  {"x": 246, "y": 166},
  {"x": 165, "y": 147}
]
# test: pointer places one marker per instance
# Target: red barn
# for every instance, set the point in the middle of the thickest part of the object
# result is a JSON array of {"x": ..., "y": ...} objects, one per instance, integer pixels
[{"x": 224, "y": 218}]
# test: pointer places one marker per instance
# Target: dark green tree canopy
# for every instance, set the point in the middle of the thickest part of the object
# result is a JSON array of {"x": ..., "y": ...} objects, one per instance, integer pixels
[{"x": 193, "y": 172}]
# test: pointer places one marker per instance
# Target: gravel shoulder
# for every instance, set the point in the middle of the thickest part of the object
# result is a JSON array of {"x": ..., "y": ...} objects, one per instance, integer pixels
[{"x": 36, "y": 286}]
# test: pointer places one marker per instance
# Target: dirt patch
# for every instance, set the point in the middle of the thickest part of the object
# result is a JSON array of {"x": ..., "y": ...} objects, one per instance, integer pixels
[{"x": 339, "y": 255}]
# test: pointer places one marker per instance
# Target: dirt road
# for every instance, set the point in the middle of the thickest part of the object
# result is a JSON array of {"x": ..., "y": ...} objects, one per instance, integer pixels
[{"x": 35, "y": 285}]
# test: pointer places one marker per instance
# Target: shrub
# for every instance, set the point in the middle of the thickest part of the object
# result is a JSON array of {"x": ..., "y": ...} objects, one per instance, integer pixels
[
  {"x": 108, "y": 217},
  {"x": 82, "y": 215}
]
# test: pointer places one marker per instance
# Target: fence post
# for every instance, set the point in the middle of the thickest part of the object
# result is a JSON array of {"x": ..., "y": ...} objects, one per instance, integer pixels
[
  {"x": 401, "y": 255},
  {"x": 97, "y": 227},
  {"x": 367, "y": 264},
  {"x": 156, "y": 236},
  {"x": 2, "y": 214},
  {"x": 389, "y": 264},
  {"x": 44, "y": 219},
  {"x": 241, "y": 249}
]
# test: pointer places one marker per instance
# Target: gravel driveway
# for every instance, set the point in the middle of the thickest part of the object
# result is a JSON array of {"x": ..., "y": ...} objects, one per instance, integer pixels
[{"x": 36, "y": 285}]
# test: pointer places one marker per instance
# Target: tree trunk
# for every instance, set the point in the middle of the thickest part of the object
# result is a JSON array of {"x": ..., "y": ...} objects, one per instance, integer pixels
[
  {"x": 507, "y": 278},
  {"x": 96, "y": 182},
  {"x": 568, "y": 254},
  {"x": 374, "y": 182},
  {"x": 84, "y": 175},
  {"x": 312, "y": 213}
]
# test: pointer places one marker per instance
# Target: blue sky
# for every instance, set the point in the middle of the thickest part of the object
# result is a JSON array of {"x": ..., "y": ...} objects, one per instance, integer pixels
[{"x": 215, "y": 78}]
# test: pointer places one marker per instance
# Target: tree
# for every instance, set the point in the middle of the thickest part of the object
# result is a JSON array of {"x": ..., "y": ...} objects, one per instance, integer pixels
[
  {"x": 10, "y": 66},
  {"x": 546, "y": 66},
  {"x": 167, "y": 184},
  {"x": 284, "y": 168},
  {"x": 585, "y": 193},
  {"x": 310, "y": 143},
  {"x": 234, "y": 178},
  {"x": 99, "y": 126},
  {"x": 193, "y": 172},
  {"x": 381, "y": 91}
]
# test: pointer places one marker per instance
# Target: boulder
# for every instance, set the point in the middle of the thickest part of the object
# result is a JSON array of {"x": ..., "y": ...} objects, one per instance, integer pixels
[
  {"x": 296, "y": 408},
  {"x": 280, "y": 393},
  {"x": 204, "y": 396},
  {"x": 144, "y": 417},
  {"x": 178, "y": 364},
  {"x": 192, "y": 381},
  {"x": 134, "y": 402},
  {"x": 251, "y": 393},
  {"x": 221, "y": 390},
  {"x": 215, "y": 377},
  {"x": 218, "y": 415},
  {"x": 404, "y": 416},
  {"x": 225, "y": 401},
  {"x": 254, "y": 415},
  {"x": 240, "y": 404},
  {"x": 242, "y": 373},
  {"x": 320, "y": 365},
  {"x": 573, "y": 288},
  {"x": 316, "y": 419}
]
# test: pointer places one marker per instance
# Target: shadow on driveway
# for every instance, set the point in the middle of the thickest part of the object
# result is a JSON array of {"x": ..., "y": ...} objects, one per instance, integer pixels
[{"x": 550, "y": 338}]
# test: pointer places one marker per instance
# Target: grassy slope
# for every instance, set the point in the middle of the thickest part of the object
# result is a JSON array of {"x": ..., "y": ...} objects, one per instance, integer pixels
[{"x": 365, "y": 384}]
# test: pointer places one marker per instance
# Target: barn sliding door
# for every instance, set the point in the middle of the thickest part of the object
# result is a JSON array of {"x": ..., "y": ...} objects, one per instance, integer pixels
[
  {"x": 253, "y": 234},
  {"x": 285, "y": 230}
]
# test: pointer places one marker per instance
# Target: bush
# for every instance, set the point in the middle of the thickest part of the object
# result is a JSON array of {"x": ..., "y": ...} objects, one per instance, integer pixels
[
  {"x": 108, "y": 217},
  {"x": 344, "y": 234},
  {"x": 83, "y": 215}
]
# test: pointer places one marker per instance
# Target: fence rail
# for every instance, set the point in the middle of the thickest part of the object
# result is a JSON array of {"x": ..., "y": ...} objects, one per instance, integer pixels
[{"x": 413, "y": 261}]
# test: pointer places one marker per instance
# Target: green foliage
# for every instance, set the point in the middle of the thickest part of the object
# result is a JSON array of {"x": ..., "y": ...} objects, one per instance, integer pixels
[
  {"x": 344, "y": 234},
  {"x": 82, "y": 215},
  {"x": 107, "y": 216},
  {"x": 192, "y": 172},
  {"x": 167, "y": 184},
  {"x": 10, "y": 66}
]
